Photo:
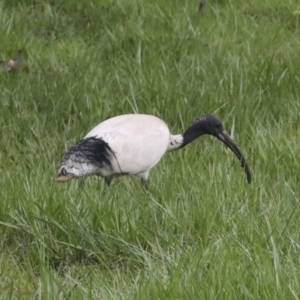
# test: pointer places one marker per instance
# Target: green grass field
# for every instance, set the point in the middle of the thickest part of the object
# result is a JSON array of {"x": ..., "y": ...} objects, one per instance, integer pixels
[{"x": 200, "y": 232}]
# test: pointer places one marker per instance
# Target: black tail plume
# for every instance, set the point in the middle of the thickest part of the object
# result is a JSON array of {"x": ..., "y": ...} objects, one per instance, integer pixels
[{"x": 91, "y": 150}]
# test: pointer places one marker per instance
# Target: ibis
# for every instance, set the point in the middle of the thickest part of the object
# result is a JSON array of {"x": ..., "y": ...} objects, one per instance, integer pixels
[{"x": 133, "y": 144}]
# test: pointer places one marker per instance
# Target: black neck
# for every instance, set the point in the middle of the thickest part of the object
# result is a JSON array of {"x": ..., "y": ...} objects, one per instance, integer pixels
[{"x": 193, "y": 132}]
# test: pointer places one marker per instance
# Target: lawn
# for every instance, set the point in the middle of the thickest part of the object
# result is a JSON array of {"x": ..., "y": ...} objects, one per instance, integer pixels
[{"x": 200, "y": 231}]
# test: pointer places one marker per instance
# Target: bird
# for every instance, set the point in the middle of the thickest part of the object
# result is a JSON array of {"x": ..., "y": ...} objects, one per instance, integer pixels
[{"x": 132, "y": 144}]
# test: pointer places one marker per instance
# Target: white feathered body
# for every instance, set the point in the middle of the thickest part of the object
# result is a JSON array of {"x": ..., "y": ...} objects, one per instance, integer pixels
[{"x": 138, "y": 142}]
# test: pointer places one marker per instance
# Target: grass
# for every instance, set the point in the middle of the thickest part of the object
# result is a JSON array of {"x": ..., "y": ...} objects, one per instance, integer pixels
[{"x": 200, "y": 232}]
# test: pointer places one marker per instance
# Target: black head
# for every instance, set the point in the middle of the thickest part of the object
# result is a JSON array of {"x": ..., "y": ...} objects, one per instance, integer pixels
[{"x": 209, "y": 124}]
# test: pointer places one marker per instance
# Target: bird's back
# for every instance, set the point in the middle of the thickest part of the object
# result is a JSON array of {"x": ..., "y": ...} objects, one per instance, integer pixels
[{"x": 138, "y": 141}]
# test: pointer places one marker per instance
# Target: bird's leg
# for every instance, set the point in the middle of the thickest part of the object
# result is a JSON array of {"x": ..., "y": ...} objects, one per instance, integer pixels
[
  {"x": 108, "y": 181},
  {"x": 145, "y": 183},
  {"x": 81, "y": 184}
]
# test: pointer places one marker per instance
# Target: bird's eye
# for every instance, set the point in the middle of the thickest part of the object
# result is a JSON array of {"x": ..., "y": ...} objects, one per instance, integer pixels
[{"x": 63, "y": 172}]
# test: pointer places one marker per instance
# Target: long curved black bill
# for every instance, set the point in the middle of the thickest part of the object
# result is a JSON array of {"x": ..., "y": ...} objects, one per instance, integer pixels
[{"x": 227, "y": 140}]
